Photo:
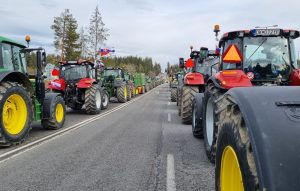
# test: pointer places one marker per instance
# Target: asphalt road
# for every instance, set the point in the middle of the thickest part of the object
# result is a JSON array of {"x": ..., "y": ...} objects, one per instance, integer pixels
[{"x": 142, "y": 146}]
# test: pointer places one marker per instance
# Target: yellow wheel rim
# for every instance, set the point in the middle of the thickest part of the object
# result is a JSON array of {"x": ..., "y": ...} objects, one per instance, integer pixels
[
  {"x": 125, "y": 92},
  {"x": 231, "y": 176},
  {"x": 59, "y": 112},
  {"x": 14, "y": 114}
]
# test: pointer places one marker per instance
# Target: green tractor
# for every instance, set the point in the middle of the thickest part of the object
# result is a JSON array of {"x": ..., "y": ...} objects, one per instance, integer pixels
[
  {"x": 115, "y": 84},
  {"x": 130, "y": 85},
  {"x": 140, "y": 83},
  {"x": 22, "y": 96}
]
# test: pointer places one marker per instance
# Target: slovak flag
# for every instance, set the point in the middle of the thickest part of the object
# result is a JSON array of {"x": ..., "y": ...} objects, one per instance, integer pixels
[{"x": 105, "y": 51}]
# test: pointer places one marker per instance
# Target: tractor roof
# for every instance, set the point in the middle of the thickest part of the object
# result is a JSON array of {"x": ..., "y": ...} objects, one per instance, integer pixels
[
  {"x": 259, "y": 33},
  {"x": 78, "y": 62},
  {"x": 111, "y": 68},
  {"x": 4, "y": 39}
]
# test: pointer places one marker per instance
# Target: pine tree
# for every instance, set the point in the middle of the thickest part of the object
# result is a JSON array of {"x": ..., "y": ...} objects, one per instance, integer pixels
[
  {"x": 97, "y": 32},
  {"x": 65, "y": 35},
  {"x": 83, "y": 39}
]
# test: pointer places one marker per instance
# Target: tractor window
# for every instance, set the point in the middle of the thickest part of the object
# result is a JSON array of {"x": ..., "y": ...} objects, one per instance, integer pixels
[
  {"x": 232, "y": 66},
  {"x": 267, "y": 57},
  {"x": 73, "y": 72},
  {"x": 113, "y": 73},
  {"x": 7, "y": 57},
  {"x": 19, "y": 60}
]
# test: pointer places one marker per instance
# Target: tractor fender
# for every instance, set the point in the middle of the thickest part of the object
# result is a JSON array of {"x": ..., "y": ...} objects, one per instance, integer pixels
[
  {"x": 194, "y": 79},
  {"x": 85, "y": 83},
  {"x": 19, "y": 78},
  {"x": 272, "y": 118},
  {"x": 215, "y": 81},
  {"x": 233, "y": 78},
  {"x": 47, "y": 111}
]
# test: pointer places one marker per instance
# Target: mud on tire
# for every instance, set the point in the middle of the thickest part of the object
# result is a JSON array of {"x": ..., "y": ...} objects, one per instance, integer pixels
[{"x": 233, "y": 133}]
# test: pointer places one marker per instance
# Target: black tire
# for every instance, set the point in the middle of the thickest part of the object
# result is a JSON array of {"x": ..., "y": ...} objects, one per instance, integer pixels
[
  {"x": 53, "y": 123},
  {"x": 105, "y": 100},
  {"x": 197, "y": 127},
  {"x": 173, "y": 94},
  {"x": 210, "y": 131},
  {"x": 177, "y": 95},
  {"x": 128, "y": 93},
  {"x": 187, "y": 97},
  {"x": 233, "y": 133},
  {"x": 132, "y": 92},
  {"x": 121, "y": 95},
  {"x": 77, "y": 106},
  {"x": 93, "y": 100},
  {"x": 179, "y": 98},
  {"x": 7, "y": 89}
]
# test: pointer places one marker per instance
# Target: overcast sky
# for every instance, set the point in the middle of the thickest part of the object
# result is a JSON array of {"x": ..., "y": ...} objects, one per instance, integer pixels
[{"x": 161, "y": 29}]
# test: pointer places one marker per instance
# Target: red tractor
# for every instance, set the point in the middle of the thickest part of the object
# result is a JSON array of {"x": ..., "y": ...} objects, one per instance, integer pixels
[
  {"x": 80, "y": 85},
  {"x": 198, "y": 71},
  {"x": 258, "y": 57}
]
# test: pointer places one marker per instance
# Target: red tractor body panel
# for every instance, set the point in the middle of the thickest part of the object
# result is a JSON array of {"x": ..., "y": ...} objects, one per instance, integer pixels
[
  {"x": 233, "y": 78},
  {"x": 194, "y": 79},
  {"x": 85, "y": 83},
  {"x": 57, "y": 84},
  {"x": 295, "y": 78}
]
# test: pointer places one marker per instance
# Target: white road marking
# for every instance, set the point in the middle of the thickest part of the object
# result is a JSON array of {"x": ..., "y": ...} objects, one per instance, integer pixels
[
  {"x": 169, "y": 117},
  {"x": 171, "y": 184}
]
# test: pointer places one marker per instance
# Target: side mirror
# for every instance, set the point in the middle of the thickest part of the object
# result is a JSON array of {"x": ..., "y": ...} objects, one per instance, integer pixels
[
  {"x": 181, "y": 62},
  {"x": 55, "y": 72},
  {"x": 44, "y": 57}
]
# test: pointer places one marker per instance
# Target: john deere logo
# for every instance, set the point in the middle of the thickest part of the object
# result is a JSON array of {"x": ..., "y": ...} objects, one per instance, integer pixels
[{"x": 293, "y": 113}]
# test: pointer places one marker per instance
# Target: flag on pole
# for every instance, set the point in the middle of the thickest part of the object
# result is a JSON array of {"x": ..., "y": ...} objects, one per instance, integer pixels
[{"x": 105, "y": 51}]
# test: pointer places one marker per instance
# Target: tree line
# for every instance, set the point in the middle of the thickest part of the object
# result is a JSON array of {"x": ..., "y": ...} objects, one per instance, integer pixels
[
  {"x": 72, "y": 43},
  {"x": 134, "y": 64}
]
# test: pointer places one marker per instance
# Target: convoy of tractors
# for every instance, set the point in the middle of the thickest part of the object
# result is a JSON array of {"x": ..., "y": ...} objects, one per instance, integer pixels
[
  {"x": 80, "y": 84},
  {"x": 243, "y": 100}
]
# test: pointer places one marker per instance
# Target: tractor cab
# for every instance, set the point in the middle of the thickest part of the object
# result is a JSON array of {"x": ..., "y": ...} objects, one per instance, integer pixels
[
  {"x": 74, "y": 71},
  {"x": 266, "y": 56},
  {"x": 110, "y": 74}
]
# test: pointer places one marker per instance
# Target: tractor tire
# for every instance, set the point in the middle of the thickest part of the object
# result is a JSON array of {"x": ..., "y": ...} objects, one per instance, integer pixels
[
  {"x": 133, "y": 91},
  {"x": 210, "y": 120},
  {"x": 105, "y": 100},
  {"x": 173, "y": 94},
  {"x": 197, "y": 117},
  {"x": 57, "y": 117},
  {"x": 122, "y": 94},
  {"x": 143, "y": 90},
  {"x": 77, "y": 107},
  {"x": 128, "y": 93},
  {"x": 235, "y": 165},
  {"x": 16, "y": 117},
  {"x": 188, "y": 93},
  {"x": 146, "y": 88},
  {"x": 179, "y": 98},
  {"x": 93, "y": 100}
]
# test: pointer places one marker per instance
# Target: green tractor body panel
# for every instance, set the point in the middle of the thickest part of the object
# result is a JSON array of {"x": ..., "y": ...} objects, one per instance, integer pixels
[
  {"x": 112, "y": 79},
  {"x": 139, "y": 79},
  {"x": 37, "y": 105}
]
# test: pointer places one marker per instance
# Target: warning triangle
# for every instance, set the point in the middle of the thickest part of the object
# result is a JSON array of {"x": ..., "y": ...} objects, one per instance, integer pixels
[{"x": 232, "y": 55}]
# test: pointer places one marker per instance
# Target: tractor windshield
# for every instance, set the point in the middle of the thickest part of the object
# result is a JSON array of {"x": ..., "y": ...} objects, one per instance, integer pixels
[
  {"x": 267, "y": 57},
  {"x": 114, "y": 73},
  {"x": 72, "y": 72}
]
